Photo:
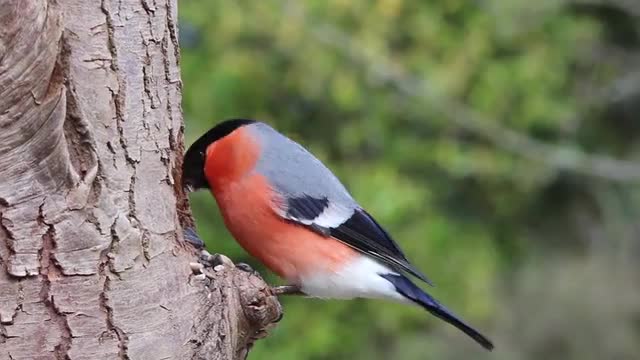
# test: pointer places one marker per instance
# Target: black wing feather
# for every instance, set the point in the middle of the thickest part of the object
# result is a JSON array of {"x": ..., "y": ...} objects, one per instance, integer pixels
[
  {"x": 363, "y": 233},
  {"x": 306, "y": 207},
  {"x": 360, "y": 231}
]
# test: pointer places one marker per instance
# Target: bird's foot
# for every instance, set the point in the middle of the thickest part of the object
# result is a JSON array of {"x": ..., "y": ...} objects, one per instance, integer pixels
[
  {"x": 191, "y": 236},
  {"x": 214, "y": 260},
  {"x": 217, "y": 262},
  {"x": 207, "y": 262},
  {"x": 286, "y": 290},
  {"x": 247, "y": 268}
]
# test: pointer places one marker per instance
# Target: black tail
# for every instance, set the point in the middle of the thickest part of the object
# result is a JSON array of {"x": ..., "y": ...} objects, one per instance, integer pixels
[{"x": 417, "y": 295}]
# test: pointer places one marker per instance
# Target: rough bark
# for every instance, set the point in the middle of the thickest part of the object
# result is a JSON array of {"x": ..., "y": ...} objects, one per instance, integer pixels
[{"x": 92, "y": 260}]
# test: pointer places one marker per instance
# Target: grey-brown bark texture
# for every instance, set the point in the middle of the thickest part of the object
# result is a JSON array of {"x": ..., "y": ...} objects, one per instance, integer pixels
[{"x": 92, "y": 260}]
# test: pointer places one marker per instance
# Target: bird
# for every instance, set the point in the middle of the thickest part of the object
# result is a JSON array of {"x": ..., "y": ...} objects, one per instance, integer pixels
[{"x": 290, "y": 212}]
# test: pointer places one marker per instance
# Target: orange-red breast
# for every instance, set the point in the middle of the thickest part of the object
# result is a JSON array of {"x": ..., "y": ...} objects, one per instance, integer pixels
[{"x": 290, "y": 212}]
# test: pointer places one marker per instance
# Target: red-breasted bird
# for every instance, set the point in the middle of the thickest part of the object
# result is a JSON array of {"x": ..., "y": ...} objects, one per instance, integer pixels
[{"x": 290, "y": 211}]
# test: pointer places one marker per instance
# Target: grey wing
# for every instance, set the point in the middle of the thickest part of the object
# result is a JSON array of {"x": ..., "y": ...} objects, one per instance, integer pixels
[
  {"x": 312, "y": 196},
  {"x": 298, "y": 176}
]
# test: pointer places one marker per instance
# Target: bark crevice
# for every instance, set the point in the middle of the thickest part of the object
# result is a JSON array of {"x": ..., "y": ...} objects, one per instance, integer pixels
[
  {"x": 50, "y": 271},
  {"x": 122, "y": 337}
]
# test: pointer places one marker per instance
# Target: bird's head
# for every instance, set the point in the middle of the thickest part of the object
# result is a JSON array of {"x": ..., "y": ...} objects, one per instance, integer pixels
[{"x": 193, "y": 176}]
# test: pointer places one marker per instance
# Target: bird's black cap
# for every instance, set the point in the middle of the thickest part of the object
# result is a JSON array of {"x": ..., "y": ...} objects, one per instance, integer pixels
[{"x": 194, "y": 160}]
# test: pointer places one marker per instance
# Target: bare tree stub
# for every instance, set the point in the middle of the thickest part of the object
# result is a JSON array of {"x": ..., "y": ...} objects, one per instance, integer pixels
[{"x": 92, "y": 262}]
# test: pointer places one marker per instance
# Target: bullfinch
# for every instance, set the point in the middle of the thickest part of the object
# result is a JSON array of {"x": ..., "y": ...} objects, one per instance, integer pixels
[{"x": 288, "y": 210}]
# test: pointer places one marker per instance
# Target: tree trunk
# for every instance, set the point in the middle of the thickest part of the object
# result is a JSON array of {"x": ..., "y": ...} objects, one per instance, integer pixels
[{"x": 93, "y": 263}]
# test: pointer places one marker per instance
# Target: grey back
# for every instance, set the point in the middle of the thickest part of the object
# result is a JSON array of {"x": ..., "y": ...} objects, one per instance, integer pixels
[{"x": 294, "y": 171}]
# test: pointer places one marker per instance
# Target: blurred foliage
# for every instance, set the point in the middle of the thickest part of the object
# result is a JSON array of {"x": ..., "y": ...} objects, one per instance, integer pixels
[{"x": 509, "y": 241}]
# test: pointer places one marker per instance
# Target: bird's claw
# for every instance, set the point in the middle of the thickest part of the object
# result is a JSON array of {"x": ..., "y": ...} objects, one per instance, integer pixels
[
  {"x": 248, "y": 269},
  {"x": 286, "y": 290},
  {"x": 218, "y": 262},
  {"x": 215, "y": 260},
  {"x": 191, "y": 236},
  {"x": 245, "y": 267},
  {"x": 206, "y": 258}
]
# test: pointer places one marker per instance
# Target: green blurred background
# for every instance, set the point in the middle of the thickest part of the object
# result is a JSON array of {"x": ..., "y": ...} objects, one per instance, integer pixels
[{"x": 496, "y": 140}]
